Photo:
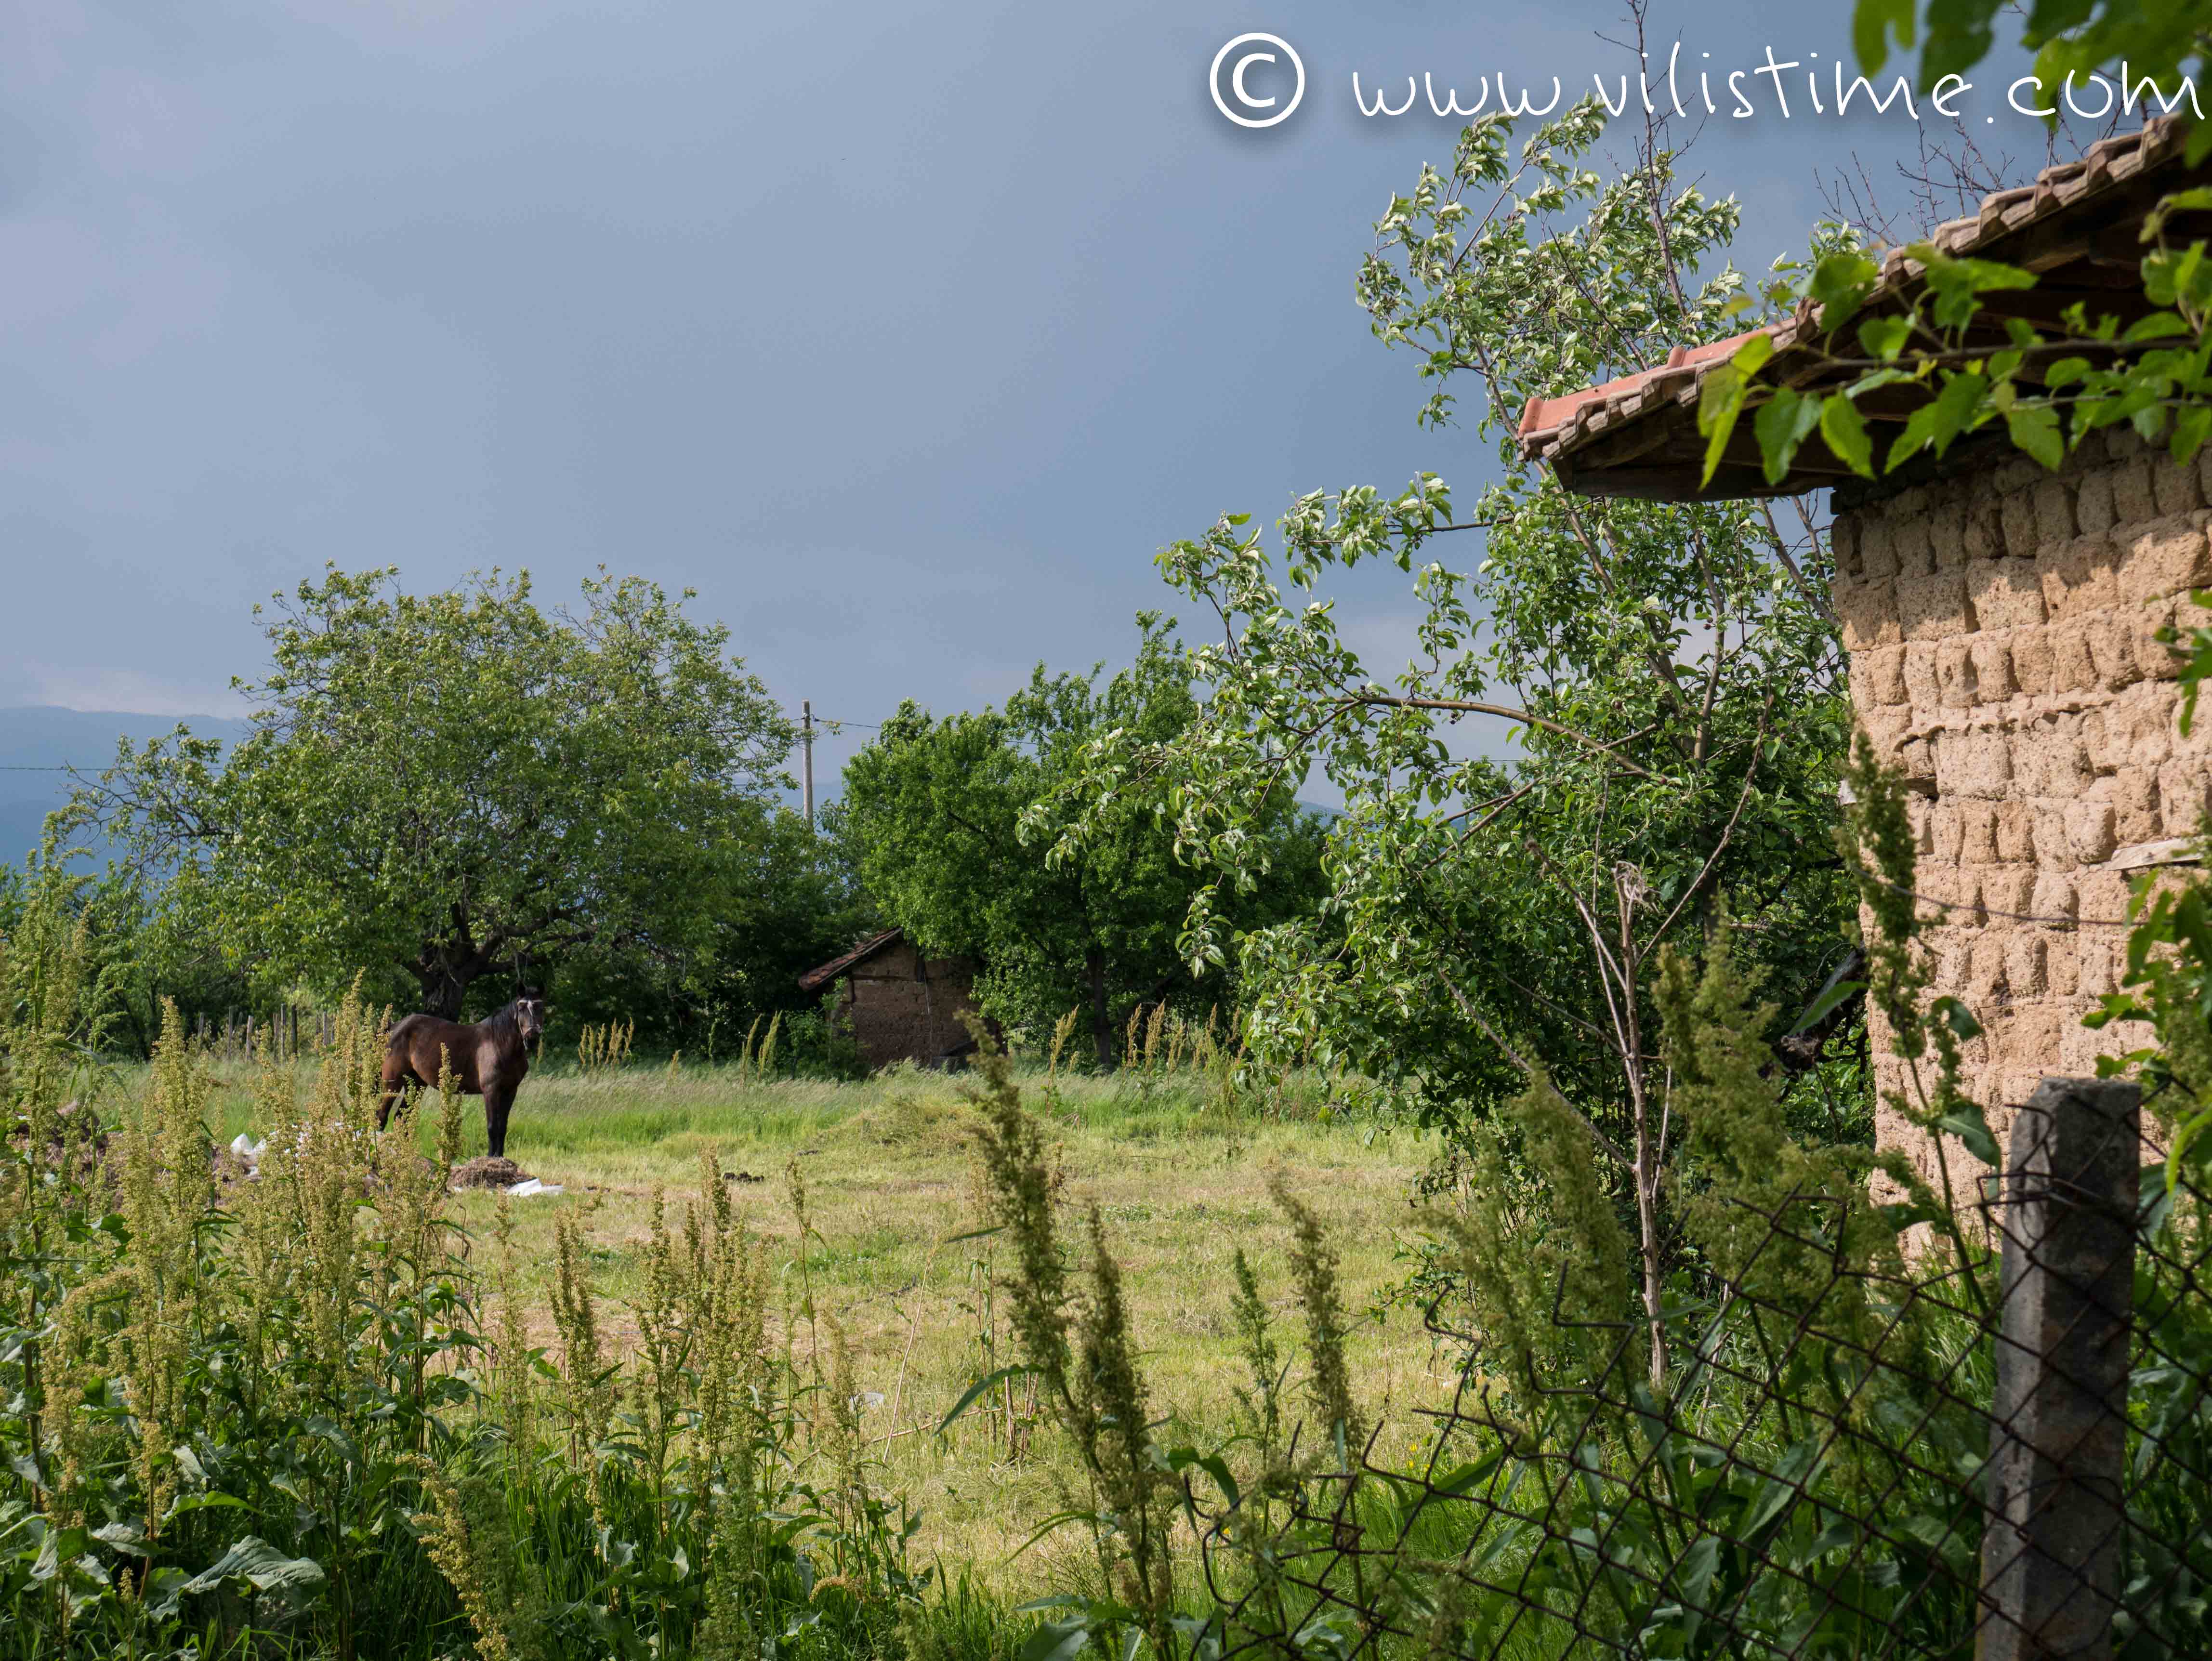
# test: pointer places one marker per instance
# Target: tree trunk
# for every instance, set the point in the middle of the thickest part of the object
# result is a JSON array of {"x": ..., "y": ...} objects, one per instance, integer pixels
[
  {"x": 445, "y": 968},
  {"x": 446, "y": 977},
  {"x": 1102, "y": 1026},
  {"x": 443, "y": 987}
]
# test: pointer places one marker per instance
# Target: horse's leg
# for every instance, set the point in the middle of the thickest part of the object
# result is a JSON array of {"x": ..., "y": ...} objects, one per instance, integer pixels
[
  {"x": 394, "y": 1081},
  {"x": 498, "y": 1098}
]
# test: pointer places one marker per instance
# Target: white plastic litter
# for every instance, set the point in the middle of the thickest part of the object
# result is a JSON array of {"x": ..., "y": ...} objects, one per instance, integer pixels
[
  {"x": 247, "y": 1149},
  {"x": 524, "y": 1190}
]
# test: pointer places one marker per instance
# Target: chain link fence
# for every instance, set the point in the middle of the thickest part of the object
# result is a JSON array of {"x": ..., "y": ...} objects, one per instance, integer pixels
[{"x": 1999, "y": 1452}]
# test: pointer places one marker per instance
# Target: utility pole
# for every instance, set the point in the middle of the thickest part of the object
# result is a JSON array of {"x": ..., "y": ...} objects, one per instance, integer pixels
[{"x": 806, "y": 741}]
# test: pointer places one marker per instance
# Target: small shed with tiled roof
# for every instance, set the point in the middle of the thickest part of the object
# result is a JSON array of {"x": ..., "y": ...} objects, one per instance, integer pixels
[
  {"x": 1999, "y": 621},
  {"x": 902, "y": 1004}
]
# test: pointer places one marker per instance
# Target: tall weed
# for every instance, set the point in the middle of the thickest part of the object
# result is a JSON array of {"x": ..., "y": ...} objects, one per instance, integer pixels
[{"x": 281, "y": 1412}]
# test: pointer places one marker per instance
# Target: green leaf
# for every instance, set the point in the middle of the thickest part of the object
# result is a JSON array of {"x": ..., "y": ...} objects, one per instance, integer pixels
[
  {"x": 1844, "y": 430},
  {"x": 1840, "y": 284},
  {"x": 2159, "y": 325},
  {"x": 1973, "y": 1130},
  {"x": 1181, "y": 1459},
  {"x": 1792, "y": 1473},
  {"x": 1937, "y": 422},
  {"x": 1058, "y": 1640},
  {"x": 258, "y": 1563},
  {"x": 1693, "y": 1574},
  {"x": 978, "y": 1389},
  {"x": 1826, "y": 1002},
  {"x": 2189, "y": 277},
  {"x": 1885, "y": 337},
  {"x": 1955, "y": 286},
  {"x": 1873, "y": 23},
  {"x": 1720, "y": 402},
  {"x": 206, "y": 1502},
  {"x": 1752, "y": 357},
  {"x": 1461, "y": 1478},
  {"x": 2065, "y": 372},
  {"x": 1956, "y": 1016},
  {"x": 1947, "y": 273},
  {"x": 2192, "y": 427},
  {"x": 2034, "y": 427},
  {"x": 1781, "y": 424}
]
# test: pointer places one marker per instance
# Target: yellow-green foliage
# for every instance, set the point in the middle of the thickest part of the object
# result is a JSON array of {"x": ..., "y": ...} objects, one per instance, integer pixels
[
  {"x": 1535, "y": 1232},
  {"x": 586, "y": 1379},
  {"x": 1161, "y": 1043},
  {"x": 1082, "y": 1351},
  {"x": 475, "y": 1554},
  {"x": 605, "y": 1048},
  {"x": 1742, "y": 1167},
  {"x": 1314, "y": 1266},
  {"x": 1111, "y": 1421},
  {"x": 1062, "y": 1031},
  {"x": 167, "y": 1186},
  {"x": 288, "y": 1381},
  {"x": 764, "y": 1062}
]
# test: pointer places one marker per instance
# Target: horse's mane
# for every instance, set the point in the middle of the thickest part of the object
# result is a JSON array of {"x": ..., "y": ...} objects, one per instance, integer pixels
[{"x": 502, "y": 1017}]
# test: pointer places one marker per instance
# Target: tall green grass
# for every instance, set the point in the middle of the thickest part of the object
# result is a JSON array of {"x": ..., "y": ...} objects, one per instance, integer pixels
[{"x": 299, "y": 1412}]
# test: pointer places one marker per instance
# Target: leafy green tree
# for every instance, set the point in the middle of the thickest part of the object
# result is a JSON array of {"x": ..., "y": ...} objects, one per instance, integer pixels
[
  {"x": 788, "y": 899},
  {"x": 149, "y": 954},
  {"x": 1670, "y": 673},
  {"x": 939, "y": 809},
  {"x": 2161, "y": 39},
  {"x": 438, "y": 785},
  {"x": 1878, "y": 375},
  {"x": 137, "y": 954},
  {"x": 1951, "y": 356}
]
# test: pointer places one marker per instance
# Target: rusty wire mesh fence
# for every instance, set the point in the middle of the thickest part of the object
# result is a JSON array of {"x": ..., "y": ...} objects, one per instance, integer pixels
[{"x": 2003, "y": 1450}]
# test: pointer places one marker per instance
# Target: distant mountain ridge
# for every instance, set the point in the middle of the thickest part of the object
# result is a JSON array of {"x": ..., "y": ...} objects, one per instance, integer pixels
[{"x": 37, "y": 741}]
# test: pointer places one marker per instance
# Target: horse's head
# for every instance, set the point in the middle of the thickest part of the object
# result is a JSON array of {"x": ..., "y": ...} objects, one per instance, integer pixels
[{"x": 530, "y": 1015}]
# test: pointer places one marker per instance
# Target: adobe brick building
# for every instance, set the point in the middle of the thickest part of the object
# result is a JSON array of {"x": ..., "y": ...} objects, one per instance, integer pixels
[
  {"x": 2000, "y": 625},
  {"x": 2000, "y": 622},
  {"x": 901, "y": 1005}
]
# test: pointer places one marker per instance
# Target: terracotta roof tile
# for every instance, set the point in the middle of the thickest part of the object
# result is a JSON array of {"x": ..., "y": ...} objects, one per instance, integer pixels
[{"x": 1551, "y": 427}]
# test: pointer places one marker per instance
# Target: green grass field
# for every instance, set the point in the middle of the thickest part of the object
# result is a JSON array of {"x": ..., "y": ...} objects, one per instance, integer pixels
[{"x": 1180, "y": 1180}]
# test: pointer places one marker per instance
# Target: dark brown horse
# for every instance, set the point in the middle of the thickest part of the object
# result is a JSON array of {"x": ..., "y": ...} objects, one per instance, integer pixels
[{"x": 488, "y": 1059}]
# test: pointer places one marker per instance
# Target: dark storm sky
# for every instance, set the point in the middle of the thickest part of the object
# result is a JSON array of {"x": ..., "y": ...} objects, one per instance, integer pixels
[{"x": 906, "y": 334}]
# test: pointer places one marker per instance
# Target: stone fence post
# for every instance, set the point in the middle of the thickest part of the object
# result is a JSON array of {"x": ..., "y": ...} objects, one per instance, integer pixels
[{"x": 2050, "y": 1550}]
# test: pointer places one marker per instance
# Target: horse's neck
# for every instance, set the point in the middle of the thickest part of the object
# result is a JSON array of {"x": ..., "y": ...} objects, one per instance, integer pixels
[{"x": 504, "y": 1027}]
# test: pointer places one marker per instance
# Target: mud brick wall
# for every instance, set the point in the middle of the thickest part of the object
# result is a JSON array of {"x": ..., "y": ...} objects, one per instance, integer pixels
[
  {"x": 1999, "y": 626},
  {"x": 904, "y": 1007}
]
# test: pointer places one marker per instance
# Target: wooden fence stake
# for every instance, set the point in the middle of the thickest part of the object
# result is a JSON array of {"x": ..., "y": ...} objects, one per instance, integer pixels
[{"x": 2050, "y": 1551}]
